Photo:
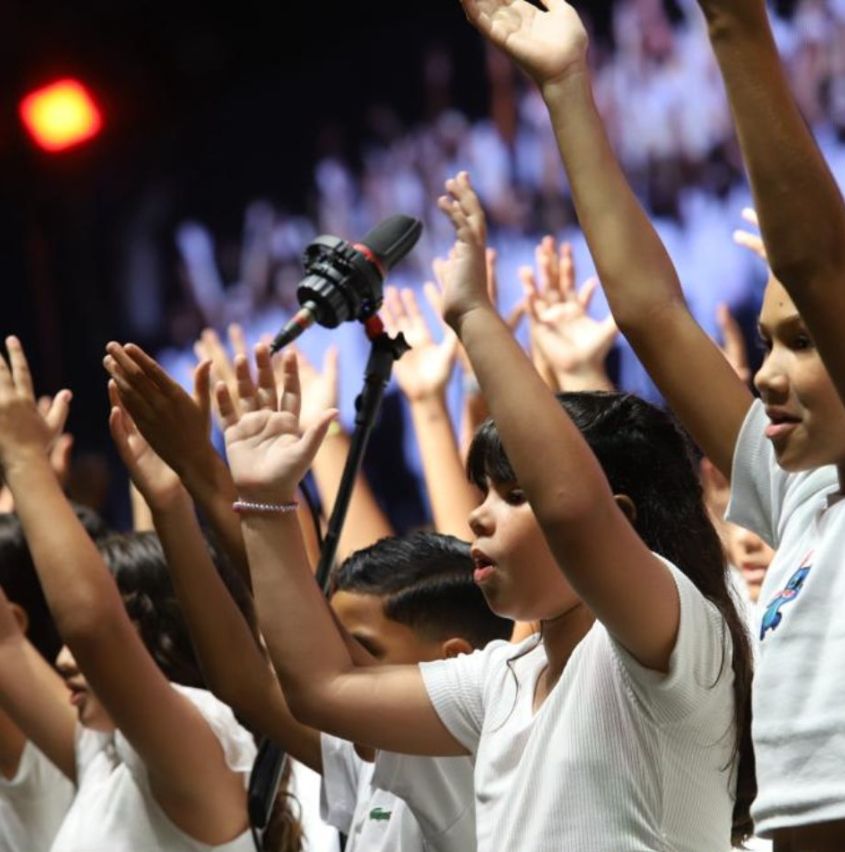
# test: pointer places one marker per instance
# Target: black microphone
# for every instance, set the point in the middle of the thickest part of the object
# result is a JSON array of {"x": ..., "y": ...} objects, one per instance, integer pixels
[{"x": 343, "y": 281}]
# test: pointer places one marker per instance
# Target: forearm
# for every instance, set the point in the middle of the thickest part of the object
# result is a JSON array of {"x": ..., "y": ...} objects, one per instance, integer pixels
[
  {"x": 210, "y": 485},
  {"x": 801, "y": 210},
  {"x": 305, "y": 646},
  {"x": 565, "y": 480},
  {"x": 639, "y": 279},
  {"x": 232, "y": 662},
  {"x": 451, "y": 496},
  {"x": 78, "y": 588},
  {"x": 230, "y": 657},
  {"x": 636, "y": 272},
  {"x": 365, "y": 521},
  {"x": 802, "y": 215}
]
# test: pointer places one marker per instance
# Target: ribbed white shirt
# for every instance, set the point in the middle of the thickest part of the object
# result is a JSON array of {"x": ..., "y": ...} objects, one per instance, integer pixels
[{"x": 618, "y": 758}]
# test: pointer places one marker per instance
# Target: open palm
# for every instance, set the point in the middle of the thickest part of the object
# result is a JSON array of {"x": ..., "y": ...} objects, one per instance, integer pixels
[
  {"x": 546, "y": 43},
  {"x": 267, "y": 453}
]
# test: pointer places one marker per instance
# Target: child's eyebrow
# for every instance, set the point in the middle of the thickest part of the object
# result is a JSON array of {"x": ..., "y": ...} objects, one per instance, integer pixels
[{"x": 786, "y": 322}]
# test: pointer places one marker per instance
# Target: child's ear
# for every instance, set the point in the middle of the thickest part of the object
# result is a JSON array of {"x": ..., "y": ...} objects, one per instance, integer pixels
[
  {"x": 627, "y": 505},
  {"x": 454, "y": 646},
  {"x": 20, "y": 616}
]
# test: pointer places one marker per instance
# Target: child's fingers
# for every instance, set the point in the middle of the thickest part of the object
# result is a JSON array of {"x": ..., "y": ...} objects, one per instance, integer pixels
[
  {"x": 57, "y": 415},
  {"x": 291, "y": 397},
  {"x": 393, "y": 309},
  {"x": 118, "y": 432},
  {"x": 247, "y": 394},
  {"x": 202, "y": 387},
  {"x": 434, "y": 298},
  {"x": 331, "y": 359},
  {"x": 222, "y": 364},
  {"x": 528, "y": 280},
  {"x": 733, "y": 341},
  {"x": 750, "y": 216},
  {"x": 60, "y": 457},
  {"x": 316, "y": 434},
  {"x": 588, "y": 290},
  {"x": 131, "y": 369},
  {"x": 21, "y": 375},
  {"x": 566, "y": 271},
  {"x": 237, "y": 339},
  {"x": 753, "y": 242},
  {"x": 414, "y": 314},
  {"x": 225, "y": 405},
  {"x": 439, "y": 267},
  {"x": 516, "y": 315},
  {"x": 267, "y": 395},
  {"x": 490, "y": 258},
  {"x": 150, "y": 367}
]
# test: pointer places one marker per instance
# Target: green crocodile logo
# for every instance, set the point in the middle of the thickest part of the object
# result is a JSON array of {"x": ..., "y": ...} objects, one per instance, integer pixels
[{"x": 379, "y": 814}]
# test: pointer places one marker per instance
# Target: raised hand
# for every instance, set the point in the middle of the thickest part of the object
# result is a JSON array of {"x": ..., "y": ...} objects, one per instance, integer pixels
[
  {"x": 465, "y": 277},
  {"x": 268, "y": 456},
  {"x": 210, "y": 347},
  {"x": 24, "y": 430},
  {"x": 175, "y": 424},
  {"x": 548, "y": 43},
  {"x": 158, "y": 484},
  {"x": 569, "y": 340},
  {"x": 424, "y": 371},
  {"x": 319, "y": 387}
]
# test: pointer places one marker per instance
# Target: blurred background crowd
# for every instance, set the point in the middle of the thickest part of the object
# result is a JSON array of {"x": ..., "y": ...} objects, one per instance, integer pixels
[{"x": 200, "y": 221}]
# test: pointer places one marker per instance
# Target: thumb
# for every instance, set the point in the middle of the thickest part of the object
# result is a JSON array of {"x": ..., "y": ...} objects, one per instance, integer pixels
[
  {"x": 202, "y": 388},
  {"x": 56, "y": 417},
  {"x": 60, "y": 457},
  {"x": 314, "y": 436}
]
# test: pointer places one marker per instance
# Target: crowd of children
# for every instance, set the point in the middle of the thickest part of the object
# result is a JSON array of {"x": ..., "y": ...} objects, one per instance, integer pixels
[{"x": 582, "y": 654}]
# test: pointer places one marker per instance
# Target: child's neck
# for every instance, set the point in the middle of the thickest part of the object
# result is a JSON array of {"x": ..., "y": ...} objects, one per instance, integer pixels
[{"x": 560, "y": 636}]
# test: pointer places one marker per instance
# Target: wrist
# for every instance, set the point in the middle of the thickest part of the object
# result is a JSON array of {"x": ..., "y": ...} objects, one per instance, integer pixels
[
  {"x": 26, "y": 462},
  {"x": 586, "y": 379},
  {"x": 168, "y": 501},
  {"x": 575, "y": 80}
]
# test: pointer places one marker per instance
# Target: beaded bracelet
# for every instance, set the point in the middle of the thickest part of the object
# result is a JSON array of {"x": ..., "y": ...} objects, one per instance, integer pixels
[{"x": 264, "y": 508}]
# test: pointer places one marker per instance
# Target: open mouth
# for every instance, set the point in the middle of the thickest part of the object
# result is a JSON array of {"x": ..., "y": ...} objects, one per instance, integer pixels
[
  {"x": 484, "y": 567},
  {"x": 781, "y": 423}
]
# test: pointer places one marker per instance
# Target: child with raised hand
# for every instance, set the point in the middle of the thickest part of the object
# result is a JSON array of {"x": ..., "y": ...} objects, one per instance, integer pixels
[
  {"x": 620, "y": 727},
  {"x": 164, "y": 766},
  {"x": 785, "y": 453},
  {"x": 400, "y": 599}
]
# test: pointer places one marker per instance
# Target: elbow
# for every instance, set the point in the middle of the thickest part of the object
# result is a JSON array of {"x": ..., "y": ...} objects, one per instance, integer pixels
[
  {"x": 566, "y": 514},
  {"x": 306, "y": 706},
  {"x": 90, "y": 625}
]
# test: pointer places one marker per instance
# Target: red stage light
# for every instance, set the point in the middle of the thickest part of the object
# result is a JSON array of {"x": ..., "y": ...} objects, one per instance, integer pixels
[{"x": 60, "y": 115}]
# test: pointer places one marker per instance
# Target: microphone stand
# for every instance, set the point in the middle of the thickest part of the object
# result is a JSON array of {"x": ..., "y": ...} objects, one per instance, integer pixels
[{"x": 384, "y": 351}]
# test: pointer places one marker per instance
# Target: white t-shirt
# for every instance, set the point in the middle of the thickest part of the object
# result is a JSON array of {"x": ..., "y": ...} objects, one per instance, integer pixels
[
  {"x": 798, "y": 699},
  {"x": 114, "y": 809},
  {"x": 618, "y": 758},
  {"x": 400, "y": 802},
  {"x": 33, "y": 803}
]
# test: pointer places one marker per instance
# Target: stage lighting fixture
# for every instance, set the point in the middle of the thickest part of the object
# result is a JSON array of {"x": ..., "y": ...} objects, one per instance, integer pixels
[{"x": 60, "y": 115}]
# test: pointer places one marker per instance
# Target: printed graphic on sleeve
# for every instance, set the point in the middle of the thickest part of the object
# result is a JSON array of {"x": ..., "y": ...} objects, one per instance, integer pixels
[{"x": 773, "y": 615}]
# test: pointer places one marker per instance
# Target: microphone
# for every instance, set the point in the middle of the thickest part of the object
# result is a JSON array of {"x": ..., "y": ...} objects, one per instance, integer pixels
[{"x": 343, "y": 281}]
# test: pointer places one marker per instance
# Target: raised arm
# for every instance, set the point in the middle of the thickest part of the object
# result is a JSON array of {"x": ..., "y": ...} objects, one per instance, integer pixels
[
  {"x": 802, "y": 213},
  {"x": 33, "y": 696},
  {"x": 382, "y": 706},
  {"x": 422, "y": 375},
  {"x": 232, "y": 662},
  {"x": 186, "y": 766},
  {"x": 627, "y": 587},
  {"x": 636, "y": 272}
]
